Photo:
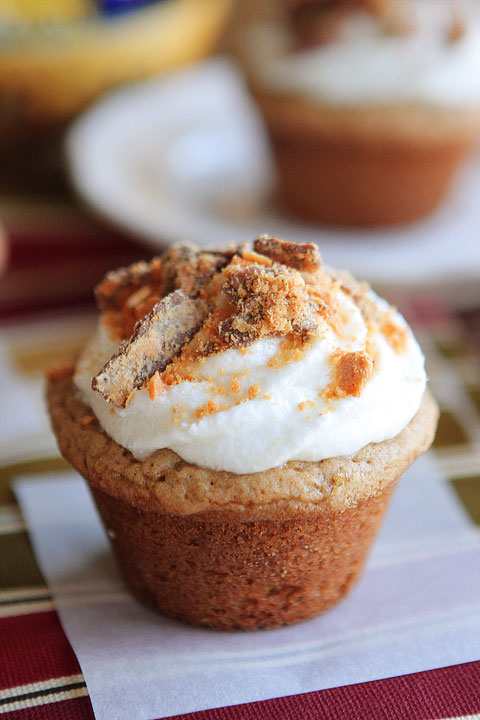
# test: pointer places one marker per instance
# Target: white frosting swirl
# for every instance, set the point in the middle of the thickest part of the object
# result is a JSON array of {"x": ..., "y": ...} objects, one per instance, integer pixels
[
  {"x": 366, "y": 65},
  {"x": 284, "y": 417}
]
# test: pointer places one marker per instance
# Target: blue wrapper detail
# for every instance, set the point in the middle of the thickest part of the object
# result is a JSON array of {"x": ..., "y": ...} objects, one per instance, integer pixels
[{"x": 116, "y": 7}]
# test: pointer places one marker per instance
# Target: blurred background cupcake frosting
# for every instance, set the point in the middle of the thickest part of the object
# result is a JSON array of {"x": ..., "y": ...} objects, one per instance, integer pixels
[{"x": 352, "y": 52}]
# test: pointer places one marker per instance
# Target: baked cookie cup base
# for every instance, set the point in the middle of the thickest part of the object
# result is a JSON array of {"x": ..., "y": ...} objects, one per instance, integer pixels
[
  {"x": 240, "y": 575},
  {"x": 236, "y": 551},
  {"x": 341, "y": 173}
]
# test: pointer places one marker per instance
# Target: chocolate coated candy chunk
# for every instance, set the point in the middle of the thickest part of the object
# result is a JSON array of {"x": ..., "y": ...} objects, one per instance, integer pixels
[
  {"x": 157, "y": 339},
  {"x": 117, "y": 285},
  {"x": 189, "y": 269},
  {"x": 270, "y": 301},
  {"x": 301, "y": 256}
]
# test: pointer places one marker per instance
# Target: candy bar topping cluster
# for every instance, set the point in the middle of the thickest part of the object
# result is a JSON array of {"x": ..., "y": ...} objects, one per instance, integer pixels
[
  {"x": 178, "y": 309},
  {"x": 246, "y": 357}
]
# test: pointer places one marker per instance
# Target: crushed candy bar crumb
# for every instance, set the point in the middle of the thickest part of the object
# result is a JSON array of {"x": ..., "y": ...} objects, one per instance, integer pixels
[
  {"x": 291, "y": 350},
  {"x": 396, "y": 335},
  {"x": 155, "y": 386},
  {"x": 210, "y": 408},
  {"x": 253, "y": 391},
  {"x": 305, "y": 405},
  {"x": 179, "y": 412},
  {"x": 235, "y": 386},
  {"x": 352, "y": 371}
]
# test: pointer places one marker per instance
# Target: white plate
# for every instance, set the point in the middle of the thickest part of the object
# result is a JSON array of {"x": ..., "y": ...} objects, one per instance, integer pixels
[{"x": 185, "y": 157}]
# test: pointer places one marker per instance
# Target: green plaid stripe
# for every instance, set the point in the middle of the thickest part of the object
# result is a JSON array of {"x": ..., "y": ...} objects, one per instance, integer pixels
[{"x": 453, "y": 363}]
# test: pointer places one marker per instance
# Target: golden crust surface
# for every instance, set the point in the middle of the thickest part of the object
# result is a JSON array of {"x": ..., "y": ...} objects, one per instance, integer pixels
[
  {"x": 241, "y": 575},
  {"x": 165, "y": 483}
]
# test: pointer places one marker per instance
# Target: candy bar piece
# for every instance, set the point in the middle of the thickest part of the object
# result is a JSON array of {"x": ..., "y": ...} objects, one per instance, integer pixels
[
  {"x": 173, "y": 259},
  {"x": 182, "y": 267},
  {"x": 118, "y": 285},
  {"x": 228, "y": 251},
  {"x": 301, "y": 256},
  {"x": 157, "y": 339},
  {"x": 189, "y": 269},
  {"x": 270, "y": 301},
  {"x": 195, "y": 273},
  {"x": 238, "y": 331}
]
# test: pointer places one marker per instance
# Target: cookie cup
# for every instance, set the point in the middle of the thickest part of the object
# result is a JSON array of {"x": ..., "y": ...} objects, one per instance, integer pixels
[
  {"x": 236, "y": 551},
  {"x": 364, "y": 166}
]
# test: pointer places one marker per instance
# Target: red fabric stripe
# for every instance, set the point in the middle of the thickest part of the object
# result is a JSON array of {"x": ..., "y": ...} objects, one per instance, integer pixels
[
  {"x": 76, "y": 709},
  {"x": 56, "y": 254},
  {"x": 447, "y": 692},
  {"x": 46, "y": 250},
  {"x": 45, "y": 271},
  {"x": 34, "y": 648},
  {"x": 10, "y": 313}
]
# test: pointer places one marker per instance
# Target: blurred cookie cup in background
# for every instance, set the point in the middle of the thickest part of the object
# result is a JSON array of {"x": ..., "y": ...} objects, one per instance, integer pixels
[
  {"x": 242, "y": 417},
  {"x": 371, "y": 105}
]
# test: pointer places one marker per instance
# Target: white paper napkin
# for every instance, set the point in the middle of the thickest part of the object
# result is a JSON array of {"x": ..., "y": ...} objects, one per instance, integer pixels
[{"x": 417, "y": 607}]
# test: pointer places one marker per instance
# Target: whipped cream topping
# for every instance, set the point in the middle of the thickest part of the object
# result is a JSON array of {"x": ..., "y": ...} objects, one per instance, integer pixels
[
  {"x": 255, "y": 408},
  {"x": 366, "y": 64}
]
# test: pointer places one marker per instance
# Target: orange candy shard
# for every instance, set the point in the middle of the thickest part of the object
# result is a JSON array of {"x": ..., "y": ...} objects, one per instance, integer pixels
[{"x": 352, "y": 372}]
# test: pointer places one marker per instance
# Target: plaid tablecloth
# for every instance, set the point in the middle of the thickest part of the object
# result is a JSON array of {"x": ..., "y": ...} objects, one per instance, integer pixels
[{"x": 57, "y": 254}]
